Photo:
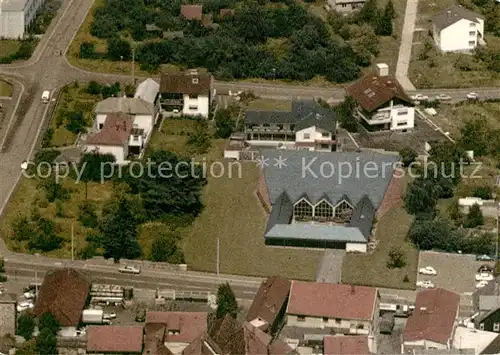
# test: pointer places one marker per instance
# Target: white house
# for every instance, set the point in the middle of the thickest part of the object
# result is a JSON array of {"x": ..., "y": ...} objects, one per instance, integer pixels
[
  {"x": 345, "y": 6},
  {"x": 16, "y": 16},
  {"x": 148, "y": 91},
  {"x": 458, "y": 29},
  {"x": 382, "y": 102},
  {"x": 188, "y": 94},
  {"x": 344, "y": 309}
]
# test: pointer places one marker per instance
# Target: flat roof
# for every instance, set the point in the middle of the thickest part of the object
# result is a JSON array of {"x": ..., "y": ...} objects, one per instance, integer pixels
[
  {"x": 13, "y": 5},
  {"x": 466, "y": 338},
  {"x": 307, "y": 231}
]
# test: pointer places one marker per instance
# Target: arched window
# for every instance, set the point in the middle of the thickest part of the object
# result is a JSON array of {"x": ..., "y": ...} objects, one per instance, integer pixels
[
  {"x": 303, "y": 211},
  {"x": 323, "y": 211},
  {"x": 343, "y": 212}
]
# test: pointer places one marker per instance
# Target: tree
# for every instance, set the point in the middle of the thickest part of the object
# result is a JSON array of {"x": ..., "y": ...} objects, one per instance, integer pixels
[
  {"x": 397, "y": 259},
  {"x": 75, "y": 122},
  {"x": 87, "y": 215},
  {"x": 27, "y": 348},
  {"x": 475, "y": 217},
  {"x": 426, "y": 51},
  {"x": 119, "y": 230},
  {"x": 200, "y": 139},
  {"x": 384, "y": 25},
  {"x": 224, "y": 123},
  {"x": 408, "y": 156},
  {"x": 23, "y": 229},
  {"x": 95, "y": 167},
  {"x": 94, "y": 88},
  {"x": 448, "y": 158},
  {"x": 483, "y": 192},
  {"x": 165, "y": 248},
  {"x": 3, "y": 277},
  {"x": 455, "y": 212},
  {"x": 434, "y": 234},
  {"x": 48, "y": 322},
  {"x": 421, "y": 196},
  {"x": 345, "y": 114},
  {"x": 226, "y": 302},
  {"x": 474, "y": 136},
  {"x": 389, "y": 9},
  {"x": 54, "y": 190},
  {"x": 87, "y": 50},
  {"x": 25, "y": 325},
  {"x": 46, "y": 238},
  {"x": 46, "y": 342},
  {"x": 369, "y": 13},
  {"x": 119, "y": 49}
]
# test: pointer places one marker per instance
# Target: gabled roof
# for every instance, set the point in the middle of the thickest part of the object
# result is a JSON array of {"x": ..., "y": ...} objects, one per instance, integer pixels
[
  {"x": 115, "y": 339},
  {"x": 63, "y": 293},
  {"x": 192, "y": 12},
  {"x": 132, "y": 106},
  {"x": 316, "y": 299},
  {"x": 186, "y": 83},
  {"x": 315, "y": 232},
  {"x": 115, "y": 132},
  {"x": 189, "y": 324},
  {"x": 345, "y": 345},
  {"x": 434, "y": 316},
  {"x": 449, "y": 16},
  {"x": 373, "y": 91},
  {"x": 304, "y": 114},
  {"x": 269, "y": 300},
  {"x": 147, "y": 90}
]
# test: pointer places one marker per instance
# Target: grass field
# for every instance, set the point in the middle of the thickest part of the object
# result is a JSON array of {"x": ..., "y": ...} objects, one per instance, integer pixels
[
  {"x": 8, "y": 47},
  {"x": 5, "y": 89},
  {"x": 72, "y": 99}
]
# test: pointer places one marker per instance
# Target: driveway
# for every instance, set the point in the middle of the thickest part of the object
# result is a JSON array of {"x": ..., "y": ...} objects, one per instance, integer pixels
[{"x": 330, "y": 268}]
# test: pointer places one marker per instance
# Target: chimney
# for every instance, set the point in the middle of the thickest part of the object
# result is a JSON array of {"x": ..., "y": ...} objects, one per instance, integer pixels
[
  {"x": 353, "y": 289},
  {"x": 382, "y": 69}
]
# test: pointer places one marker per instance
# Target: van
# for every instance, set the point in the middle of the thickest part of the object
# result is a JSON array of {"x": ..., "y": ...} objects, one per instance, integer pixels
[{"x": 45, "y": 97}]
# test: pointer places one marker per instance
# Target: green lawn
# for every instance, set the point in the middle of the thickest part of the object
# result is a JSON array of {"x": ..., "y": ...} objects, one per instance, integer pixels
[
  {"x": 72, "y": 99},
  {"x": 8, "y": 47},
  {"x": 5, "y": 89}
]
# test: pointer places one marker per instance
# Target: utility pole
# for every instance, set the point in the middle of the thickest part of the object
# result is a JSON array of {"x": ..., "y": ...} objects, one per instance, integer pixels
[
  {"x": 496, "y": 233},
  {"x": 218, "y": 255},
  {"x": 133, "y": 66},
  {"x": 72, "y": 243}
]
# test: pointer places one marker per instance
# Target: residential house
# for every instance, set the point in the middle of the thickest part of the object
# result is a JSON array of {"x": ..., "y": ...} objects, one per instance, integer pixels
[
  {"x": 227, "y": 336},
  {"x": 148, "y": 91},
  {"x": 325, "y": 200},
  {"x": 269, "y": 304},
  {"x": 8, "y": 314},
  {"x": 175, "y": 330},
  {"x": 346, "y": 6},
  {"x": 306, "y": 126},
  {"x": 344, "y": 309},
  {"x": 117, "y": 137},
  {"x": 192, "y": 12},
  {"x": 345, "y": 345},
  {"x": 16, "y": 16},
  {"x": 481, "y": 342},
  {"x": 457, "y": 29},
  {"x": 442, "y": 352},
  {"x": 382, "y": 102},
  {"x": 489, "y": 320},
  {"x": 432, "y": 324},
  {"x": 188, "y": 94},
  {"x": 64, "y": 293},
  {"x": 114, "y": 339}
]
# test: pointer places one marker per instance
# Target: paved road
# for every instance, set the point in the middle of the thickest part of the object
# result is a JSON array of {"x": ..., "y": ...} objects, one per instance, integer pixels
[{"x": 405, "y": 48}]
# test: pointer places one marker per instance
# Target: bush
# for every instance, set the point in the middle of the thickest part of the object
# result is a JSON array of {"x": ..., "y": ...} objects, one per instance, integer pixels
[
  {"x": 94, "y": 88},
  {"x": 87, "y": 215},
  {"x": 397, "y": 259},
  {"x": 25, "y": 325},
  {"x": 483, "y": 192},
  {"x": 165, "y": 248},
  {"x": 474, "y": 218},
  {"x": 408, "y": 155}
]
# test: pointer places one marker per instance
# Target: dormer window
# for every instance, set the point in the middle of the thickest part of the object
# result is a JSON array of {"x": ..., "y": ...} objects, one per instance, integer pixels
[
  {"x": 303, "y": 210},
  {"x": 343, "y": 211},
  {"x": 195, "y": 81}
]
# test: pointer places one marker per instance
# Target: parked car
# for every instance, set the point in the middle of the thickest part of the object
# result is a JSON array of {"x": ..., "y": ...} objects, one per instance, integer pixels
[
  {"x": 472, "y": 96},
  {"x": 129, "y": 270},
  {"x": 109, "y": 316},
  {"x": 425, "y": 284},
  {"x": 484, "y": 276},
  {"x": 481, "y": 284},
  {"x": 24, "y": 306},
  {"x": 484, "y": 258},
  {"x": 29, "y": 295},
  {"x": 419, "y": 97},
  {"x": 485, "y": 268},
  {"x": 443, "y": 97},
  {"x": 428, "y": 270}
]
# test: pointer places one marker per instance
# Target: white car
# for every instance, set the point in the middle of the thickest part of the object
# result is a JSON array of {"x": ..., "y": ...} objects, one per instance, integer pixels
[
  {"x": 419, "y": 97},
  {"x": 24, "y": 306},
  {"x": 129, "y": 270},
  {"x": 443, "y": 97},
  {"x": 425, "y": 284},
  {"x": 109, "y": 316},
  {"x": 29, "y": 295},
  {"x": 481, "y": 284},
  {"x": 428, "y": 270},
  {"x": 484, "y": 276},
  {"x": 472, "y": 96}
]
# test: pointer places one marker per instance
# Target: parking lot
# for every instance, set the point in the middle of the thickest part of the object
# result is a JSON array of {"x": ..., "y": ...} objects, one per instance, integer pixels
[{"x": 455, "y": 272}]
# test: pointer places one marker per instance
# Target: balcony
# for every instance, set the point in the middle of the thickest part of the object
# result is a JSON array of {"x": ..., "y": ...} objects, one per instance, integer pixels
[
  {"x": 268, "y": 130},
  {"x": 172, "y": 102},
  {"x": 378, "y": 118}
]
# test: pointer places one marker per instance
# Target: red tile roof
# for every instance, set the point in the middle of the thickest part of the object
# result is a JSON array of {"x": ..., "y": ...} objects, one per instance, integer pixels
[
  {"x": 185, "y": 83},
  {"x": 332, "y": 300},
  {"x": 189, "y": 324},
  {"x": 434, "y": 316},
  {"x": 192, "y": 12},
  {"x": 63, "y": 293},
  {"x": 115, "y": 132},
  {"x": 345, "y": 345},
  {"x": 269, "y": 300},
  {"x": 373, "y": 91},
  {"x": 115, "y": 339}
]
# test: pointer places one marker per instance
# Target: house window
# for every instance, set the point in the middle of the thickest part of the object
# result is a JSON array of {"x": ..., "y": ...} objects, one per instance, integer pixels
[
  {"x": 136, "y": 138},
  {"x": 338, "y": 320},
  {"x": 402, "y": 112},
  {"x": 101, "y": 125},
  {"x": 325, "y": 319},
  {"x": 325, "y": 146},
  {"x": 307, "y": 135},
  {"x": 292, "y": 127},
  {"x": 193, "y": 96},
  {"x": 496, "y": 327},
  {"x": 265, "y": 125},
  {"x": 325, "y": 134},
  {"x": 472, "y": 33},
  {"x": 481, "y": 326},
  {"x": 343, "y": 211},
  {"x": 360, "y": 326},
  {"x": 173, "y": 332},
  {"x": 195, "y": 81},
  {"x": 193, "y": 107},
  {"x": 301, "y": 319},
  {"x": 402, "y": 123},
  {"x": 303, "y": 210},
  {"x": 280, "y": 126},
  {"x": 472, "y": 24},
  {"x": 472, "y": 43},
  {"x": 323, "y": 211}
]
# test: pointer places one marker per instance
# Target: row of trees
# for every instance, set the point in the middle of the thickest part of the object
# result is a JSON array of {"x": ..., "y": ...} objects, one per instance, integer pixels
[{"x": 48, "y": 326}]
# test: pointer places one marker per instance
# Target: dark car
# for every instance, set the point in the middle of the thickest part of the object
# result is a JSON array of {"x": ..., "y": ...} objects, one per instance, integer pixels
[
  {"x": 485, "y": 268},
  {"x": 484, "y": 258}
]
